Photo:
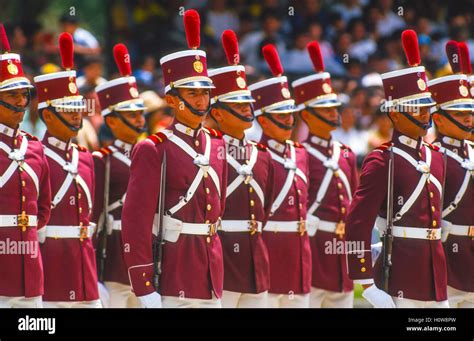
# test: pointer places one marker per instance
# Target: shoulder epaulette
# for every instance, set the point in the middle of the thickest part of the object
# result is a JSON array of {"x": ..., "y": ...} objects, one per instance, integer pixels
[
  {"x": 102, "y": 152},
  {"x": 213, "y": 132},
  {"x": 259, "y": 145},
  {"x": 431, "y": 146},
  {"x": 383, "y": 147},
  {"x": 29, "y": 136},
  {"x": 158, "y": 138},
  {"x": 80, "y": 148},
  {"x": 294, "y": 143}
]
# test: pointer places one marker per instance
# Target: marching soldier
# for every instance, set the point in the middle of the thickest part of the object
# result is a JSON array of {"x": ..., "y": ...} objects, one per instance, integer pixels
[
  {"x": 69, "y": 260},
  {"x": 401, "y": 191},
  {"x": 123, "y": 112},
  {"x": 176, "y": 191},
  {"x": 284, "y": 233},
  {"x": 332, "y": 180},
  {"x": 453, "y": 119},
  {"x": 249, "y": 190},
  {"x": 25, "y": 193}
]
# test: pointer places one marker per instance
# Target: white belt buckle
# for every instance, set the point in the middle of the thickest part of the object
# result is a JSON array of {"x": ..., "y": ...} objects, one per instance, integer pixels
[
  {"x": 68, "y": 167},
  {"x": 290, "y": 164},
  {"x": 422, "y": 167}
]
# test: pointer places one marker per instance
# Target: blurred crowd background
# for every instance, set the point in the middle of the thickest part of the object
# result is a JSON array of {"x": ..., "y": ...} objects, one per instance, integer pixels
[{"x": 359, "y": 39}]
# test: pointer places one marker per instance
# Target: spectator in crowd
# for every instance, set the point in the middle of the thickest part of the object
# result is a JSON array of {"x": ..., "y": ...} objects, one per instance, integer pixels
[
  {"x": 387, "y": 21},
  {"x": 92, "y": 74},
  {"x": 381, "y": 130},
  {"x": 158, "y": 114},
  {"x": 362, "y": 44},
  {"x": 84, "y": 41},
  {"x": 348, "y": 134},
  {"x": 250, "y": 45},
  {"x": 220, "y": 18}
]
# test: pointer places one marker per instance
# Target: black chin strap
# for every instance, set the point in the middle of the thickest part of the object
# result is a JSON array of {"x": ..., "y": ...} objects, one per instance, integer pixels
[
  {"x": 413, "y": 120},
  {"x": 279, "y": 124},
  {"x": 175, "y": 92},
  {"x": 124, "y": 121},
  {"x": 15, "y": 108},
  {"x": 233, "y": 112},
  {"x": 63, "y": 121},
  {"x": 325, "y": 120},
  {"x": 456, "y": 123}
]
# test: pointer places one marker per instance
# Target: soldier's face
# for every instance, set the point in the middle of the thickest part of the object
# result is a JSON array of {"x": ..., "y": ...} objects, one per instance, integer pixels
[
  {"x": 121, "y": 130},
  {"x": 58, "y": 128},
  {"x": 198, "y": 99},
  {"x": 405, "y": 126},
  {"x": 229, "y": 123},
  {"x": 273, "y": 130},
  {"x": 446, "y": 127},
  {"x": 330, "y": 114},
  {"x": 17, "y": 98}
]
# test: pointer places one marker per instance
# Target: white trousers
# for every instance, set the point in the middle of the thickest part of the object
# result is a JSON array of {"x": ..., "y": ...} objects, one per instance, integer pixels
[
  {"x": 231, "y": 299},
  {"x": 320, "y": 298},
  {"x": 72, "y": 304},
  {"x": 181, "y": 302},
  {"x": 460, "y": 299},
  {"x": 409, "y": 303},
  {"x": 288, "y": 301},
  {"x": 21, "y": 302},
  {"x": 120, "y": 296}
]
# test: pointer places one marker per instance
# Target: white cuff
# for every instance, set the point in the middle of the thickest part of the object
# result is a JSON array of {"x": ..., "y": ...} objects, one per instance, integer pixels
[
  {"x": 152, "y": 300},
  {"x": 364, "y": 281}
]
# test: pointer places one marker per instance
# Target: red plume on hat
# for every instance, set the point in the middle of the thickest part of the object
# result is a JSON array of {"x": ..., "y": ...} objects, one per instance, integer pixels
[
  {"x": 270, "y": 54},
  {"x": 122, "y": 59},
  {"x": 192, "y": 26},
  {"x": 454, "y": 56},
  {"x": 231, "y": 47},
  {"x": 66, "y": 49},
  {"x": 4, "y": 44},
  {"x": 410, "y": 46},
  {"x": 466, "y": 66},
  {"x": 316, "y": 56}
]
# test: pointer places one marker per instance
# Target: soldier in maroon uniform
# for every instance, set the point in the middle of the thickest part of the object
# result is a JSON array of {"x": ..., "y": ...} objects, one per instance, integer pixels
[
  {"x": 192, "y": 195},
  {"x": 123, "y": 112},
  {"x": 400, "y": 191},
  {"x": 285, "y": 232},
  {"x": 249, "y": 190},
  {"x": 332, "y": 181},
  {"x": 25, "y": 194},
  {"x": 70, "y": 275},
  {"x": 453, "y": 119}
]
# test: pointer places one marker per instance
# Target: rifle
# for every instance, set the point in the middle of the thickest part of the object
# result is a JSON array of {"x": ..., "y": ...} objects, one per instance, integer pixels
[
  {"x": 101, "y": 252},
  {"x": 387, "y": 237},
  {"x": 158, "y": 241}
]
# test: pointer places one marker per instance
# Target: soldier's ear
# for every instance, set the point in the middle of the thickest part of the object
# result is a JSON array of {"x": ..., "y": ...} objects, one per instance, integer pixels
[
  {"x": 437, "y": 119},
  {"x": 216, "y": 113},
  {"x": 170, "y": 100},
  {"x": 47, "y": 116},
  {"x": 262, "y": 120}
]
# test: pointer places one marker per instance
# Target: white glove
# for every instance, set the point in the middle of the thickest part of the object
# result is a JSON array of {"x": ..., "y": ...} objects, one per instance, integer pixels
[
  {"x": 312, "y": 224},
  {"x": 376, "y": 250},
  {"x": 378, "y": 298},
  {"x": 152, "y": 300},
  {"x": 41, "y": 234},
  {"x": 445, "y": 233},
  {"x": 104, "y": 295}
]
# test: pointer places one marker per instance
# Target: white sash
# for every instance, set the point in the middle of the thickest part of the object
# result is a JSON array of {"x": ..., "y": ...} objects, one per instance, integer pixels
[
  {"x": 72, "y": 174},
  {"x": 424, "y": 168},
  {"x": 464, "y": 163},
  {"x": 332, "y": 166},
  {"x": 293, "y": 170},
  {"x": 18, "y": 160},
  {"x": 245, "y": 173},
  {"x": 201, "y": 161}
]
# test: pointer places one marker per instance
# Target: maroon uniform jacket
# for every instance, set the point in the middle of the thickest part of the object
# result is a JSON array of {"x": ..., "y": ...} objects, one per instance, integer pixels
[
  {"x": 458, "y": 207},
  {"x": 290, "y": 252},
  {"x": 22, "y": 189},
  {"x": 333, "y": 179},
  {"x": 119, "y": 154},
  {"x": 249, "y": 198},
  {"x": 196, "y": 180},
  {"x": 69, "y": 263},
  {"x": 418, "y": 268}
]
